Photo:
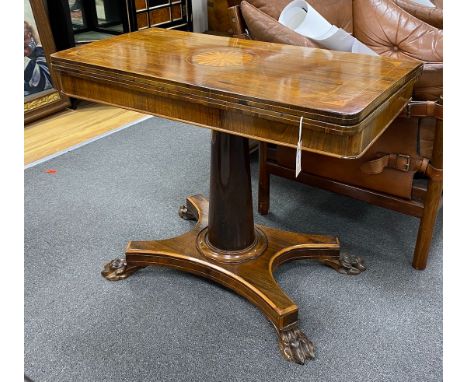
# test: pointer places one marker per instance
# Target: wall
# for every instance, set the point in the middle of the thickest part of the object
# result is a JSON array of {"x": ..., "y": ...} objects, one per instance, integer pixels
[{"x": 200, "y": 15}]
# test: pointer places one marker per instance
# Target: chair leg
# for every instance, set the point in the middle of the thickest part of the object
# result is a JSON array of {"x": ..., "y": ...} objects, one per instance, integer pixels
[
  {"x": 431, "y": 204},
  {"x": 264, "y": 180},
  {"x": 426, "y": 226}
]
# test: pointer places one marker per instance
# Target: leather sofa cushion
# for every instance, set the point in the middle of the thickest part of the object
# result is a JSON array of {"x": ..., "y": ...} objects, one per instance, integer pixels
[
  {"x": 337, "y": 12},
  {"x": 272, "y": 8},
  {"x": 389, "y": 31},
  {"x": 374, "y": 25},
  {"x": 263, "y": 27},
  {"x": 432, "y": 16}
]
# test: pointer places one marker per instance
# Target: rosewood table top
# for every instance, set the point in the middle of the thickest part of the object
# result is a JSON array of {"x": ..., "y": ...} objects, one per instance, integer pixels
[{"x": 352, "y": 97}]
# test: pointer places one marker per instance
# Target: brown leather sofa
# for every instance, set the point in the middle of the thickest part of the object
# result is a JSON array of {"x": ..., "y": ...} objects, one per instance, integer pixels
[
  {"x": 432, "y": 16},
  {"x": 402, "y": 170}
]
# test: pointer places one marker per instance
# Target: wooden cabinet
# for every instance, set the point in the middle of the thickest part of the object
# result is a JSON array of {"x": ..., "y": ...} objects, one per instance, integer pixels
[
  {"x": 80, "y": 21},
  {"x": 170, "y": 14}
]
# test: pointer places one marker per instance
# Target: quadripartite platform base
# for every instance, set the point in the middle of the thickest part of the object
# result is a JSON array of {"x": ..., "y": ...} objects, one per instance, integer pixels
[{"x": 248, "y": 272}]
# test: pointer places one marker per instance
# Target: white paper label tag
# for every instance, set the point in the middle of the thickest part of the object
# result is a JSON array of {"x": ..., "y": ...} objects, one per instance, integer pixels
[{"x": 299, "y": 150}]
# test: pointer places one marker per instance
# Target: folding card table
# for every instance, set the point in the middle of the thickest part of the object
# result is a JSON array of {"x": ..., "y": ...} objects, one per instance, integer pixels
[{"x": 242, "y": 89}]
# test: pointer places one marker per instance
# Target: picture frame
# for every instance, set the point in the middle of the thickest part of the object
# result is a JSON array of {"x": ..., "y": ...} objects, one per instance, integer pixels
[{"x": 42, "y": 97}]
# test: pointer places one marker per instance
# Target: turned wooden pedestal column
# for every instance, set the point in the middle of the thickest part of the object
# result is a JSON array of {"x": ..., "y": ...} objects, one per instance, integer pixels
[
  {"x": 226, "y": 247},
  {"x": 230, "y": 218}
]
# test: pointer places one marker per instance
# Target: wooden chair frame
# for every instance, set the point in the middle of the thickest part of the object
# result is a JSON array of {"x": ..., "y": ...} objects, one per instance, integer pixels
[{"x": 425, "y": 201}]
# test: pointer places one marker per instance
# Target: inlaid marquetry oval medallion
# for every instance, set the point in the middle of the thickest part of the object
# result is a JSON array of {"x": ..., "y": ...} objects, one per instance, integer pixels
[{"x": 222, "y": 58}]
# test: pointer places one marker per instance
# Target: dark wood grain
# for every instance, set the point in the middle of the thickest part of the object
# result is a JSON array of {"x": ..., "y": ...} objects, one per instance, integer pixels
[{"x": 231, "y": 223}]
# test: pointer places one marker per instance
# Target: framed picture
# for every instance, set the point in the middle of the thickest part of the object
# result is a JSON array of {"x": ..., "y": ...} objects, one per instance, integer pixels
[{"x": 41, "y": 97}]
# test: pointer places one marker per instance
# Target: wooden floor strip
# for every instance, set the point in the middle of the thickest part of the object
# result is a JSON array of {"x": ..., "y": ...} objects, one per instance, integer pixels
[
  {"x": 74, "y": 147},
  {"x": 60, "y": 132}
]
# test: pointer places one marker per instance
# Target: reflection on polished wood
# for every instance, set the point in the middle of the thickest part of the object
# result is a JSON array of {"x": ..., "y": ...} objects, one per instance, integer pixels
[{"x": 242, "y": 89}]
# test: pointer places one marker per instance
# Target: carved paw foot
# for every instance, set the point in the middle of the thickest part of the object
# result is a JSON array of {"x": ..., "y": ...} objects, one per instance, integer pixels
[
  {"x": 351, "y": 265},
  {"x": 295, "y": 346},
  {"x": 185, "y": 214},
  {"x": 118, "y": 269}
]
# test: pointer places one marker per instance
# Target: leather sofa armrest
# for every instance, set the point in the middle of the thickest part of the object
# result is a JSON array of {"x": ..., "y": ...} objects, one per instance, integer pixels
[
  {"x": 432, "y": 16},
  {"x": 263, "y": 27},
  {"x": 391, "y": 31}
]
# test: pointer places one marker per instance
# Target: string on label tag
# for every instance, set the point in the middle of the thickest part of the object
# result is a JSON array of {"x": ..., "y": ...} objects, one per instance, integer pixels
[{"x": 299, "y": 150}]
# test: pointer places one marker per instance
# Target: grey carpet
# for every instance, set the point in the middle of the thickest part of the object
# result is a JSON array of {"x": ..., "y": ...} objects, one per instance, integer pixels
[{"x": 165, "y": 325}]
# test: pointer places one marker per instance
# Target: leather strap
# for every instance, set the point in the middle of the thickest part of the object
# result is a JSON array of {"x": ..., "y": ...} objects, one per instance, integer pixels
[
  {"x": 424, "y": 109},
  {"x": 403, "y": 163}
]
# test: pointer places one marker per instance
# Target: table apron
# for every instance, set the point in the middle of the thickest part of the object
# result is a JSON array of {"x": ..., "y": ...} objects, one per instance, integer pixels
[{"x": 337, "y": 141}]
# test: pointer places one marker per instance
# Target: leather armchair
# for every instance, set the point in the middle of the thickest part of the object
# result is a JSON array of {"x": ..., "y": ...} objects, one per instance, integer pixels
[
  {"x": 402, "y": 170},
  {"x": 432, "y": 16}
]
